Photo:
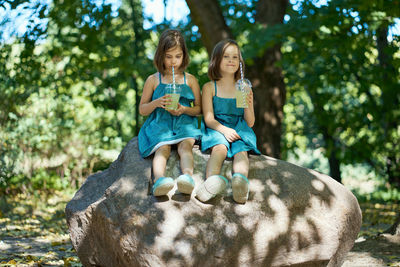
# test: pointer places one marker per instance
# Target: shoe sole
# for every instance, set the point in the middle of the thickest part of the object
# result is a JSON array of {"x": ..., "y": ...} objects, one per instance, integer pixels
[
  {"x": 163, "y": 190},
  {"x": 210, "y": 188},
  {"x": 240, "y": 190},
  {"x": 185, "y": 187}
]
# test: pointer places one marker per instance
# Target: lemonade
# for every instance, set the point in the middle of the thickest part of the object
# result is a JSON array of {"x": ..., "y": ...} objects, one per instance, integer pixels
[
  {"x": 174, "y": 92},
  {"x": 243, "y": 88},
  {"x": 241, "y": 99},
  {"x": 174, "y": 101}
]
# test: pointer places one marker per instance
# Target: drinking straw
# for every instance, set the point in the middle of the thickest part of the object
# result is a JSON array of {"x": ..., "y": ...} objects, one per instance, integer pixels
[
  {"x": 173, "y": 77},
  {"x": 241, "y": 71}
]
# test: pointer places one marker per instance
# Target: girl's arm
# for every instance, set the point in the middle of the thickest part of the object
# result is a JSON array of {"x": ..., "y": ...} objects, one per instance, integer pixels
[
  {"x": 249, "y": 112},
  {"x": 196, "y": 109},
  {"x": 208, "y": 113},
  {"x": 146, "y": 106}
]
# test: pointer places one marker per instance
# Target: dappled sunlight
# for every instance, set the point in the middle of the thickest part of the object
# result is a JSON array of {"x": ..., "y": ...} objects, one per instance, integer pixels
[
  {"x": 273, "y": 187},
  {"x": 169, "y": 228},
  {"x": 272, "y": 161},
  {"x": 70, "y": 98},
  {"x": 231, "y": 230},
  {"x": 260, "y": 164},
  {"x": 278, "y": 219},
  {"x": 4, "y": 246},
  {"x": 281, "y": 216},
  {"x": 136, "y": 220},
  {"x": 191, "y": 231},
  {"x": 305, "y": 233},
  {"x": 257, "y": 189},
  {"x": 247, "y": 209},
  {"x": 184, "y": 249},
  {"x": 219, "y": 218},
  {"x": 287, "y": 174},
  {"x": 245, "y": 253},
  {"x": 262, "y": 235},
  {"x": 318, "y": 185},
  {"x": 248, "y": 222}
]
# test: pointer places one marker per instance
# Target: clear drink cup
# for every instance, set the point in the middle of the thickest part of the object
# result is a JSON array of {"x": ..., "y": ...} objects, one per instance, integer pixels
[
  {"x": 243, "y": 88},
  {"x": 174, "y": 92}
]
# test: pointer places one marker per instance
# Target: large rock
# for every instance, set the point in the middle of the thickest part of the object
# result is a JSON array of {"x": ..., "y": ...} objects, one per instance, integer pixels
[{"x": 294, "y": 217}]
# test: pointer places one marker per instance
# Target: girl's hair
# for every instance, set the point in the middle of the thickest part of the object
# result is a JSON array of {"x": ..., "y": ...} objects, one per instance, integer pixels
[
  {"x": 216, "y": 58},
  {"x": 169, "y": 39}
]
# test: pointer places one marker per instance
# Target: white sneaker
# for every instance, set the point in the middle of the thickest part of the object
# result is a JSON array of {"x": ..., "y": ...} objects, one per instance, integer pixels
[
  {"x": 240, "y": 188},
  {"x": 211, "y": 187},
  {"x": 185, "y": 184}
]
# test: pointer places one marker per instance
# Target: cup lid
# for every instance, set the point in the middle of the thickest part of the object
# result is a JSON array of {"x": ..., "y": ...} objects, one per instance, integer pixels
[{"x": 241, "y": 83}]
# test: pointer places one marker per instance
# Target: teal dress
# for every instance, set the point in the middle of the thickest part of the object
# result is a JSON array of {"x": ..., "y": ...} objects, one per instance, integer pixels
[
  {"x": 226, "y": 113},
  {"x": 163, "y": 128}
]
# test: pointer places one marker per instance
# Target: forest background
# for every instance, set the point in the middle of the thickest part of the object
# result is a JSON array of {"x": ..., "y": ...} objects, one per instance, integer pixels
[{"x": 325, "y": 75}]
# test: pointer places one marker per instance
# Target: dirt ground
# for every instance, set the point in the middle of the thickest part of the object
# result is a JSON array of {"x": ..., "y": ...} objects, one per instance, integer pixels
[
  {"x": 378, "y": 251},
  {"x": 383, "y": 250},
  {"x": 33, "y": 232}
]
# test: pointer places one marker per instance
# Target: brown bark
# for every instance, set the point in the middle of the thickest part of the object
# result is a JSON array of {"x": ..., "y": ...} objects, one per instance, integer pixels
[
  {"x": 137, "y": 45},
  {"x": 271, "y": 12},
  {"x": 389, "y": 124},
  {"x": 267, "y": 79},
  {"x": 269, "y": 99},
  {"x": 392, "y": 168},
  {"x": 207, "y": 15},
  {"x": 332, "y": 150},
  {"x": 269, "y": 88}
]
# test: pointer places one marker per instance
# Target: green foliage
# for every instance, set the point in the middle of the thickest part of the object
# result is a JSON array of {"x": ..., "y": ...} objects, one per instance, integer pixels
[
  {"x": 70, "y": 90},
  {"x": 337, "y": 86},
  {"x": 71, "y": 95}
]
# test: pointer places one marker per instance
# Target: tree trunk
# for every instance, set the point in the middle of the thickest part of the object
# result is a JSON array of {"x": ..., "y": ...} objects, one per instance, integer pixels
[
  {"x": 207, "y": 15},
  {"x": 269, "y": 99},
  {"x": 334, "y": 166},
  {"x": 137, "y": 45},
  {"x": 389, "y": 103},
  {"x": 267, "y": 79},
  {"x": 331, "y": 150},
  {"x": 269, "y": 90},
  {"x": 389, "y": 124}
]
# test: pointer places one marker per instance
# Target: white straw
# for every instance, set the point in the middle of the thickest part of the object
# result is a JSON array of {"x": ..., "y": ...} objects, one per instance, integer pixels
[
  {"x": 173, "y": 77},
  {"x": 241, "y": 71}
]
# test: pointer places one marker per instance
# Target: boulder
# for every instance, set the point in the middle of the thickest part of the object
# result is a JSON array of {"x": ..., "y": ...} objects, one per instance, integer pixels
[{"x": 294, "y": 217}]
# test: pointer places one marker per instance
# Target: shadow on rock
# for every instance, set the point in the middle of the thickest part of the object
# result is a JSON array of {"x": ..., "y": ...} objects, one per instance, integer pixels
[{"x": 294, "y": 217}]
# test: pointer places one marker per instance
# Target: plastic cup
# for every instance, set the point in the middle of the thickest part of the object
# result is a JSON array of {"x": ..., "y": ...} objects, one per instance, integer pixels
[
  {"x": 243, "y": 87},
  {"x": 174, "y": 92}
]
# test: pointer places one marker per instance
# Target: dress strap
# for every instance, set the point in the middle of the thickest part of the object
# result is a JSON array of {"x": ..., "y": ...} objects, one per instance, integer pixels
[
  {"x": 184, "y": 77},
  {"x": 215, "y": 87},
  {"x": 159, "y": 77}
]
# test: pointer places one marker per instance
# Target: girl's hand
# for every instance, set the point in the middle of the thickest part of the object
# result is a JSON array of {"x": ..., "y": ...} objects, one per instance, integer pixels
[
  {"x": 250, "y": 98},
  {"x": 179, "y": 111},
  {"x": 163, "y": 101},
  {"x": 230, "y": 134}
]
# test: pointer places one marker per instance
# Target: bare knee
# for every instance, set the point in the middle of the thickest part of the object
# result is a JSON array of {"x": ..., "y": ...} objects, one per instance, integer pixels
[
  {"x": 164, "y": 150},
  {"x": 185, "y": 147},
  {"x": 220, "y": 150},
  {"x": 242, "y": 156}
]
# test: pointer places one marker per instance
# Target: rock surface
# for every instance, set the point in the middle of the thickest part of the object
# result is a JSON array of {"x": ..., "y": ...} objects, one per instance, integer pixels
[{"x": 294, "y": 217}]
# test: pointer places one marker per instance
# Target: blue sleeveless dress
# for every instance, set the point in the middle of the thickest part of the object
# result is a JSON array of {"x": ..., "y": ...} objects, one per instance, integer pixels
[
  {"x": 163, "y": 128},
  {"x": 226, "y": 113}
]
